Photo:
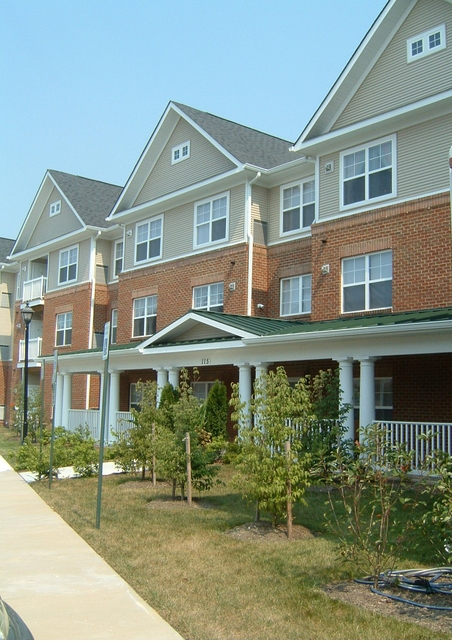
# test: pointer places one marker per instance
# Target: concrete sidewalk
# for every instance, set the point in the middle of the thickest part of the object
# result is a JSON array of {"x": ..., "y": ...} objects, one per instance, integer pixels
[{"x": 56, "y": 582}]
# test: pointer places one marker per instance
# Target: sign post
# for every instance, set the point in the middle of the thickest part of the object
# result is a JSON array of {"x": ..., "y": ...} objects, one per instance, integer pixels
[
  {"x": 103, "y": 418},
  {"x": 52, "y": 436}
]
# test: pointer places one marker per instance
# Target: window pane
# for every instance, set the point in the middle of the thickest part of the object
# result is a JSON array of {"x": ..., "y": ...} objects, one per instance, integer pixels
[
  {"x": 354, "y": 298},
  {"x": 219, "y": 208},
  {"x": 306, "y": 294},
  {"x": 380, "y": 183},
  {"x": 142, "y": 233},
  {"x": 151, "y": 323},
  {"x": 72, "y": 272},
  {"x": 141, "y": 252},
  {"x": 202, "y": 235},
  {"x": 354, "y": 270},
  {"x": 291, "y": 197},
  {"x": 291, "y": 220},
  {"x": 354, "y": 190},
  {"x": 354, "y": 164},
  {"x": 202, "y": 213},
  {"x": 200, "y": 297},
  {"x": 308, "y": 215},
  {"x": 154, "y": 248},
  {"x": 380, "y": 294},
  {"x": 219, "y": 229}
]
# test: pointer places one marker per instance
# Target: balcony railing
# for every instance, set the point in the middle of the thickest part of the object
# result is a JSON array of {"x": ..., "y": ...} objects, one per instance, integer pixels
[
  {"x": 91, "y": 420},
  {"x": 34, "y": 289},
  {"x": 422, "y": 439},
  {"x": 34, "y": 348}
]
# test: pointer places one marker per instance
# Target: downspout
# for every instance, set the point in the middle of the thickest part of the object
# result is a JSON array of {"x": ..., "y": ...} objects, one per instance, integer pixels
[
  {"x": 92, "y": 278},
  {"x": 250, "y": 241},
  {"x": 450, "y": 172}
]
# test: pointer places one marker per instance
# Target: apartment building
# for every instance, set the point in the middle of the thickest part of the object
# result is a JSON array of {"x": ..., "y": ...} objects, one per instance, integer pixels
[
  {"x": 234, "y": 251},
  {"x": 7, "y": 299}
]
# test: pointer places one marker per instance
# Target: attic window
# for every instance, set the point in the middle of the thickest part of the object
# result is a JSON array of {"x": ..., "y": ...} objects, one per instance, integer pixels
[
  {"x": 426, "y": 43},
  {"x": 55, "y": 208},
  {"x": 180, "y": 152}
]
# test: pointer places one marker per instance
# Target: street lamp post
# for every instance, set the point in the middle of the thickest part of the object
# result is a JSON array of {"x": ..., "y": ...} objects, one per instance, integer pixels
[{"x": 27, "y": 315}]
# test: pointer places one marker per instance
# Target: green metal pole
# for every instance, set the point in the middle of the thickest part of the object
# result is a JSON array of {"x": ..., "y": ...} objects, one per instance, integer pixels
[{"x": 103, "y": 421}]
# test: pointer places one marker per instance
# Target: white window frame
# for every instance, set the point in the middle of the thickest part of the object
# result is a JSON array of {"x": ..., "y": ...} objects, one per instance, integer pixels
[
  {"x": 70, "y": 263},
  {"x": 180, "y": 152},
  {"x": 367, "y": 280},
  {"x": 118, "y": 258},
  {"x": 425, "y": 44},
  {"x": 381, "y": 390},
  {"x": 55, "y": 208},
  {"x": 368, "y": 172},
  {"x": 208, "y": 205},
  {"x": 64, "y": 330},
  {"x": 201, "y": 389},
  {"x": 147, "y": 304},
  {"x": 298, "y": 305},
  {"x": 302, "y": 186},
  {"x": 210, "y": 293},
  {"x": 114, "y": 327},
  {"x": 154, "y": 233}
]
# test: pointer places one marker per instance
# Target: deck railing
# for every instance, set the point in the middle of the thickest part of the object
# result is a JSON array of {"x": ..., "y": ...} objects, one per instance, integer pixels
[
  {"x": 34, "y": 289},
  {"x": 91, "y": 419},
  {"x": 34, "y": 348},
  {"x": 423, "y": 439}
]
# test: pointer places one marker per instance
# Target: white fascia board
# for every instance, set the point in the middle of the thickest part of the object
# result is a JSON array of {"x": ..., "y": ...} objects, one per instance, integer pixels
[
  {"x": 408, "y": 115},
  {"x": 62, "y": 241},
  {"x": 375, "y": 330},
  {"x": 192, "y": 348},
  {"x": 163, "y": 203}
]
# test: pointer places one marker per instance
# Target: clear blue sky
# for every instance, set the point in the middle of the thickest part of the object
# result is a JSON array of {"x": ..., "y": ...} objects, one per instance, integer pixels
[{"x": 84, "y": 82}]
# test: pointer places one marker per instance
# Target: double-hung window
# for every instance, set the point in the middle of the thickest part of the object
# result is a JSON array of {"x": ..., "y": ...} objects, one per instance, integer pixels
[
  {"x": 209, "y": 297},
  {"x": 149, "y": 240},
  {"x": 63, "y": 334},
  {"x": 119, "y": 257},
  {"x": 144, "y": 316},
  {"x": 68, "y": 265},
  {"x": 296, "y": 295},
  {"x": 367, "y": 282},
  {"x": 211, "y": 220},
  {"x": 297, "y": 207},
  {"x": 114, "y": 326},
  {"x": 368, "y": 173}
]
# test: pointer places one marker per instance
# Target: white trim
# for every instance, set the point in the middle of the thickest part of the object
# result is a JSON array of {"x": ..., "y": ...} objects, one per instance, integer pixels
[
  {"x": 180, "y": 152},
  {"x": 55, "y": 208},
  {"x": 423, "y": 38}
]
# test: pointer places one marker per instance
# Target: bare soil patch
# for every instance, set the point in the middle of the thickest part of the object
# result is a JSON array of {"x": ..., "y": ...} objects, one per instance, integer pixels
[
  {"x": 360, "y": 595},
  {"x": 263, "y": 531}
]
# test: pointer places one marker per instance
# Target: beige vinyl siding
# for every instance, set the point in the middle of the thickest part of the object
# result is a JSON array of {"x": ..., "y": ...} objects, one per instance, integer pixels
[
  {"x": 393, "y": 82},
  {"x": 329, "y": 187},
  {"x": 273, "y": 215},
  {"x": 82, "y": 268},
  {"x": 422, "y": 158},
  {"x": 103, "y": 255},
  {"x": 205, "y": 161},
  {"x": 7, "y": 288},
  {"x": 178, "y": 229},
  {"x": 259, "y": 206},
  {"x": 51, "y": 227}
]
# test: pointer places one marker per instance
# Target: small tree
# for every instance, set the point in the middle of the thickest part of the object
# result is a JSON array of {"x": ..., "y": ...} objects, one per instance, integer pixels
[{"x": 216, "y": 411}]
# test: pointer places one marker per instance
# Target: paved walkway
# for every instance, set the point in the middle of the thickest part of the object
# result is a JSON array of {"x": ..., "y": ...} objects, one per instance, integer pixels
[{"x": 56, "y": 582}]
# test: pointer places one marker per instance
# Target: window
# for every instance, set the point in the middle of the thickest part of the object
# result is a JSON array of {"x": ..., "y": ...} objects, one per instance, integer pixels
[
  {"x": 114, "y": 326},
  {"x": 202, "y": 389},
  {"x": 135, "y": 397},
  {"x": 68, "y": 265},
  {"x": 55, "y": 208},
  {"x": 180, "y": 152},
  {"x": 63, "y": 329},
  {"x": 383, "y": 398},
  {"x": 426, "y": 43},
  {"x": 119, "y": 257},
  {"x": 368, "y": 173},
  {"x": 209, "y": 297},
  {"x": 149, "y": 240},
  {"x": 297, "y": 206},
  {"x": 211, "y": 220},
  {"x": 296, "y": 295},
  {"x": 144, "y": 316},
  {"x": 367, "y": 282},
  {"x": 4, "y": 352}
]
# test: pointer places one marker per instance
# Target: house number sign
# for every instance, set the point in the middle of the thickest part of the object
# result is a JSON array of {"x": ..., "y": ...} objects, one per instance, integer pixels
[{"x": 206, "y": 361}]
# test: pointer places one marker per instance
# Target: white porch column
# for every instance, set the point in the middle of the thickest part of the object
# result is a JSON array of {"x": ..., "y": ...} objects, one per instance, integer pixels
[
  {"x": 162, "y": 380},
  {"x": 367, "y": 392},
  {"x": 58, "y": 409},
  {"x": 261, "y": 369},
  {"x": 245, "y": 388},
  {"x": 346, "y": 386},
  {"x": 173, "y": 376},
  {"x": 113, "y": 405},
  {"x": 67, "y": 399}
]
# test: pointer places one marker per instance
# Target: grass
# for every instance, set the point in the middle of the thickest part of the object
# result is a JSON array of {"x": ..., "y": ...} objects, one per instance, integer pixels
[
  {"x": 208, "y": 585},
  {"x": 9, "y": 444}
]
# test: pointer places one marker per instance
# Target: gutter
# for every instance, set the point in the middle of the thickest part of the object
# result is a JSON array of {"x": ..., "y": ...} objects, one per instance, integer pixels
[{"x": 250, "y": 240}]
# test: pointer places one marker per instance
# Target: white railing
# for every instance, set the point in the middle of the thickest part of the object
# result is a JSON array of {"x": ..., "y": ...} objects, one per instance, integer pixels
[
  {"x": 124, "y": 420},
  {"x": 34, "y": 348},
  {"x": 34, "y": 289},
  {"x": 84, "y": 418},
  {"x": 423, "y": 439}
]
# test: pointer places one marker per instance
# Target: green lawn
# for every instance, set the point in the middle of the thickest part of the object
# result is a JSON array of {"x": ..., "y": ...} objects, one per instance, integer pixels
[
  {"x": 9, "y": 444},
  {"x": 208, "y": 585}
]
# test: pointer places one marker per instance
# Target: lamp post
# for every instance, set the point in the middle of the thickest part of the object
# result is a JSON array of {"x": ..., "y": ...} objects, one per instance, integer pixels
[{"x": 27, "y": 315}]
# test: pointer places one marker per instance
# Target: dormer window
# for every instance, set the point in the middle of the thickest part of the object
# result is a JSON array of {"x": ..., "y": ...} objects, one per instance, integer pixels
[
  {"x": 55, "y": 208},
  {"x": 426, "y": 43},
  {"x": 180, "y": 152}
]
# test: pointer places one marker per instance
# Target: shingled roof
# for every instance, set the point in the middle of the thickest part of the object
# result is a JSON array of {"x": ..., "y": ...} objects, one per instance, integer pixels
[
  {"x": 6, "y": 245},
  {"x": 247, "y": 145},
  {"x": 92, "y": 200}
]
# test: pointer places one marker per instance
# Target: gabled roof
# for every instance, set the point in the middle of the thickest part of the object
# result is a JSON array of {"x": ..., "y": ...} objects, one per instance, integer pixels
[
  {"x": 93, "y": 200},
  {"x": 247, "y": 145}
]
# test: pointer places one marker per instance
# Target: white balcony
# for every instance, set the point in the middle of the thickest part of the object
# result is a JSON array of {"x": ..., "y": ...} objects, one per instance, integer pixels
[
  {"x": 34, "y": 349},
  {"x": 34, "y": 289}
]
